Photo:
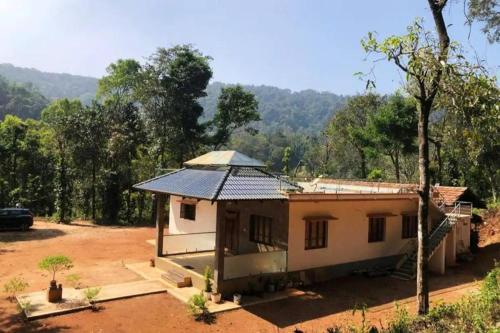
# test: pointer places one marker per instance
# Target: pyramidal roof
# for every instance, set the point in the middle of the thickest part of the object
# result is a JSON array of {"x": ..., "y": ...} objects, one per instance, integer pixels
[{"x": 225, "y": 158}]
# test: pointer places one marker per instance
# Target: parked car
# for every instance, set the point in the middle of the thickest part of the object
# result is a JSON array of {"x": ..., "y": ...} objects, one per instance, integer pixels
[{"x": 15, "y": 218}]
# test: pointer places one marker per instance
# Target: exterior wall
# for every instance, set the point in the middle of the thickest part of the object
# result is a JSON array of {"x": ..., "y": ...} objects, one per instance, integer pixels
[
  {"x": 348, "y": 235},
  {"x": 205, "y": 217},
  {"x": 463, "y": 226},
  {"x": 276, "y": 209}
]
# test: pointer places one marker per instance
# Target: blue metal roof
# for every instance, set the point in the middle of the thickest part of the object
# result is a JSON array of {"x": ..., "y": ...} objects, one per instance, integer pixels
[{"x": 233, "y": 183}]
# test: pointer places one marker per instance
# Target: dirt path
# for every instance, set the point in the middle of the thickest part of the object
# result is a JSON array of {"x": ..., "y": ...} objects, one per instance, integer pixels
[{"x": 99, "y": 254}]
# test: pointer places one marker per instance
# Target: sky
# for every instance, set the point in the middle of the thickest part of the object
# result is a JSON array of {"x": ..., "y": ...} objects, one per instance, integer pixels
[{"x": 294, "y": 44}]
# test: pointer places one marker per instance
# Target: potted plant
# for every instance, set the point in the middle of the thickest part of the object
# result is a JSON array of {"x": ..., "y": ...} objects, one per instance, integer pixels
[
  {"x": 216, "y": 297},
  {"x": 237, "y": 299},
  {"x": 54, "y": 264},
  {"x": 208, "y": 275}
]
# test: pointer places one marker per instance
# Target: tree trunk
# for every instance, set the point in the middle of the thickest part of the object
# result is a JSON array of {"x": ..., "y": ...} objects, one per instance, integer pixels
[
  {"x": 396, "y": 167},
  {"x": 423, "y": 209},
  {"x": 363, "y": 163},
  {"x": 93, "y": 189}
]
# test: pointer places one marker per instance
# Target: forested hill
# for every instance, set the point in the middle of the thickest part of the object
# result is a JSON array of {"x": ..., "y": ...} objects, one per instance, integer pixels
[
  {"x": 52, "y": 85},
  {"x": 304, "y": 111}
]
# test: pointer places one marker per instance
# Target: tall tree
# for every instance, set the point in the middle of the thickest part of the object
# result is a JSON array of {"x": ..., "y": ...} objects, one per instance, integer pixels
[
  {"x": 236, "y": 108},
  {"x": 119, "y": 90},
  {"x": 424, "y": 60},
  {"x": 60, "y": 116},
  {"x": 89, "y": 136},
  {"x": 173, "y": 80}
]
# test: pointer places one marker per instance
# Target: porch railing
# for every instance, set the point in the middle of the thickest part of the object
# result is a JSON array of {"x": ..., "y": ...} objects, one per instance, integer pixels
[
  {"x": 459, "y": 208},
  {"x": 254, "y": 264},
  {"x": 188, "y": 243}
]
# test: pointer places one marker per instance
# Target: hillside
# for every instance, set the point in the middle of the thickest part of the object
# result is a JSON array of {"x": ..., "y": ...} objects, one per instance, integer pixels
[
  {"x": 22, "y": 100},
  {"x": 304, "y": 111},
  {"x": 52, "y": 85}
]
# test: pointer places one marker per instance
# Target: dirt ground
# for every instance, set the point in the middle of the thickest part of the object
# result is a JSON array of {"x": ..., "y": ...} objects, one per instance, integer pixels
[{"x": 99, "y": 255}]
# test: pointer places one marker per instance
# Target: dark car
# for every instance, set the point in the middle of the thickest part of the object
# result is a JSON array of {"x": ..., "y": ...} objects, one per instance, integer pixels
[{"x": 15, "y": 218}]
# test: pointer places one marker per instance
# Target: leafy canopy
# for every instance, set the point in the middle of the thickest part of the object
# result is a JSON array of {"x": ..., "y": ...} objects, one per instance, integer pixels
[{"x": 54, "y": 264}]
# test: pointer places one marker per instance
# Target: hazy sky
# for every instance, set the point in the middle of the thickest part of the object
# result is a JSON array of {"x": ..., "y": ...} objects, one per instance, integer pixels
[{"x": 296, "y": 44}]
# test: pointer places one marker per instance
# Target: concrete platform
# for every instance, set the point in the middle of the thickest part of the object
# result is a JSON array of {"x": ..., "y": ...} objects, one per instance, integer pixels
[
  {"x": 74, "y": 299},
  {"x": 38, "y": 307},
  {"x": 184, "y": 294},
  {"x": 130, "y": 289}
]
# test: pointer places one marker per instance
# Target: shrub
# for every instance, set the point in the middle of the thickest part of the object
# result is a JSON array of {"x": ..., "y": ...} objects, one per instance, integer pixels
[
  {"x": 208, "y": 275},
  {"x": 91, "y": 295},
  {"x": 197, "y": 306},
  {"x": 73, "y": 280},
  {"x": 15, "y": 286},
  {"x": 54, "y": 264},
  {"x": 401, "y": 321}
]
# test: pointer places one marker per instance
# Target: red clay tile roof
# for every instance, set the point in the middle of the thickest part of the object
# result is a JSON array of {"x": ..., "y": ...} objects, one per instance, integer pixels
[{"x": 448, "y": 194}]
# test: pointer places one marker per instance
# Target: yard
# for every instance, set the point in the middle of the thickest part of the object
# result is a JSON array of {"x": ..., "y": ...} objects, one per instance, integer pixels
[{"x": 100, "y": 254}]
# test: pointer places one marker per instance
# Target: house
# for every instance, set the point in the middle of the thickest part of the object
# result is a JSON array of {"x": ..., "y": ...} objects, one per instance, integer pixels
[{"x": 251, "y": 226}]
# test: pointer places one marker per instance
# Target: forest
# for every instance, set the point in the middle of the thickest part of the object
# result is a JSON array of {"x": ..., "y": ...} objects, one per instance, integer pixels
[{"x": 75, "y": 157}]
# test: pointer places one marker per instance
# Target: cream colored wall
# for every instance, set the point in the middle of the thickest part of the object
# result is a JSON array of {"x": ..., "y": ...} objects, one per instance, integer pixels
[
  {"x": 206, "y": 213},
  {"x": 463, "y": 226},
  {"x": 347, "y": 236}
]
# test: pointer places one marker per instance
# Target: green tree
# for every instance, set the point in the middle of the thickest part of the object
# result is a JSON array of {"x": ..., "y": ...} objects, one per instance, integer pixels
[
  {"x": 350, "y": 126},
  {"x": 119, "y": 90},
  {"x": 236, "y": 108},
  {"x": 172, "y": 82},
  {"x": 60, "y": 116},
  {"x": 89, "y": 135},
  {"x": 394, "y": 130}
]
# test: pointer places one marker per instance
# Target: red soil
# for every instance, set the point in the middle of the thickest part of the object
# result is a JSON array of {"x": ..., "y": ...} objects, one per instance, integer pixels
[{"x": 98, "y": 253}]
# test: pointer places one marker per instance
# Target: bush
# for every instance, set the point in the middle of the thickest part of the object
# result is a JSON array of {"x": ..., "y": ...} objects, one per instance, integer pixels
[
  {"x": 208, "y": 275},
  {"x": 73, "y": 280},
  {"x": 197, "y": 306},
  {"x": 54, "y": 264},
  {"x": 91, "y": 295},
  {"x": 15, "y": 286}
]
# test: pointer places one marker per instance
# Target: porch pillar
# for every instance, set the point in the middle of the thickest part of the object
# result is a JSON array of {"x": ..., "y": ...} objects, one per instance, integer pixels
[
  {"x": 437, "y": 261},
  {"x": 160, "y": 199},
  {"x": 220, "y": 238},
  {"x": 451, "y": 247}
]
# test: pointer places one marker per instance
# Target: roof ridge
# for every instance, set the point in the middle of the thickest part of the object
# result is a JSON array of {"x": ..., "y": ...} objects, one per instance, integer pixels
[{"x": 219, "y": 186}]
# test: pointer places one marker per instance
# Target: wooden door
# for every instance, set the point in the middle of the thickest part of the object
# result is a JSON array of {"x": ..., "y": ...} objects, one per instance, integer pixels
[{"x": 232, "y": 232}]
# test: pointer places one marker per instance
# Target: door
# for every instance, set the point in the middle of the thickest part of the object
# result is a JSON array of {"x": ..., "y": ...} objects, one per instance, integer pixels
[{"x": 232, "y": 232}]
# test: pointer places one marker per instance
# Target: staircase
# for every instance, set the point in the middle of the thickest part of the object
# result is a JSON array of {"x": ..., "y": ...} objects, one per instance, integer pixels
[{"x": 406, "y": 269}]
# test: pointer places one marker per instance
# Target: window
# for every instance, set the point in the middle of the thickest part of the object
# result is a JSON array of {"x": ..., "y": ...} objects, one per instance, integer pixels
[
  {"x": 376, "y": 229},
  {"x": 188, "y": 211},
  {"x": 260, "y": 229},
  {"x": 316, "y": 234},
  {"x": 410, "y": 226}
]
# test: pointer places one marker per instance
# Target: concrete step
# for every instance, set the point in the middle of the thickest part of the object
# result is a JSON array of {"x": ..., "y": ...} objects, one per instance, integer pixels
[{"x": 177, "y": 279}]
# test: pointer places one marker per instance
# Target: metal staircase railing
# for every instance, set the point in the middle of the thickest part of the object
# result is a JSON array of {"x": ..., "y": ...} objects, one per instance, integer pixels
[{"x": 406, "y": 266}]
